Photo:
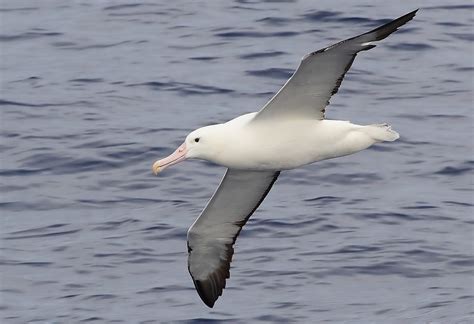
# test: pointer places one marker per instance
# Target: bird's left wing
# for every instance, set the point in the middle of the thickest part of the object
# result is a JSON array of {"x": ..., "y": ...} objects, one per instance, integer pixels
[
  {"x": 213, "y": 234},
  {"x": 319, "y": 75}
]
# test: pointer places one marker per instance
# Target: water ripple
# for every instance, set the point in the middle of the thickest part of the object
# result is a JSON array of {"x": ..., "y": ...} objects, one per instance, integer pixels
[
  {"x": 274, "y": 73},
  {"x": 183, "y": 88},
  {"x": 256, "y": 55},
  {"x": 23, "y": 104},
  {"x": 465, "y": 167},
  {"x": 28, "y": 36},
  {"x": 255, "y": 34}
]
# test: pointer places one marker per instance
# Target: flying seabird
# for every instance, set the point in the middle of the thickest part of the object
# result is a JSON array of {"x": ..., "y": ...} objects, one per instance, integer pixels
[{"x": 288, "y": 132}]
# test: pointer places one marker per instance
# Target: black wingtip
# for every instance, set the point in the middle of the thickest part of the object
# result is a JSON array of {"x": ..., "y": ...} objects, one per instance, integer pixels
[
  {"x": 411, "y": 14},
  {"x": 206, "y": 296},
  {"x": 385, "y": 30}
]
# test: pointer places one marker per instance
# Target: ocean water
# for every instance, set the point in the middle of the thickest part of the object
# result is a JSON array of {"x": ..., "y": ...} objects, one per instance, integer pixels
[{"x": 93, "y": 92}]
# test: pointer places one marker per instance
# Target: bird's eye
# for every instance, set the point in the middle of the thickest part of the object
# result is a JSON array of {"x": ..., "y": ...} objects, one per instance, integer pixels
[{"x": 196, "y": 139}]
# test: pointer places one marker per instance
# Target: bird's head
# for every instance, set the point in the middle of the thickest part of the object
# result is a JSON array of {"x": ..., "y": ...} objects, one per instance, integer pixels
[{"x": 203, "y": 143}]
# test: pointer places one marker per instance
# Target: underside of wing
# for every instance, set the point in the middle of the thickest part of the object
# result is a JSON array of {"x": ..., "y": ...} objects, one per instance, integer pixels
[
  {"x": 319, "y": 75},
  {"x": 213, "y": 234}
]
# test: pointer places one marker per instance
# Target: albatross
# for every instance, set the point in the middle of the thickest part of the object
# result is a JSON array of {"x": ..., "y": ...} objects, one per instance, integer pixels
[{"x": 288, "y": 132}]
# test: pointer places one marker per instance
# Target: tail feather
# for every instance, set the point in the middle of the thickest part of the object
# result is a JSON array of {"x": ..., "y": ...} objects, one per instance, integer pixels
[{"x": 382, "y": 132}]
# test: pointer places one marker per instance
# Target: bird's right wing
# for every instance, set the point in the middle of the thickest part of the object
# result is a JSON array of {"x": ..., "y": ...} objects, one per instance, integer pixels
[
  {"x": 319, "y": 75},
  {"x": 213, "y": 234}
]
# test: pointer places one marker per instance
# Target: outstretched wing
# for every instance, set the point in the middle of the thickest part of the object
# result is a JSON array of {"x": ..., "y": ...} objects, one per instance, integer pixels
[
  {"x": 213, "y": 234},
  {"x": 319, "y": 75}
]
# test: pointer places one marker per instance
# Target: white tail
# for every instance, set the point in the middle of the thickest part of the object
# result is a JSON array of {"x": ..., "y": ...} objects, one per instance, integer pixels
[{"x": 381, "y": 132}]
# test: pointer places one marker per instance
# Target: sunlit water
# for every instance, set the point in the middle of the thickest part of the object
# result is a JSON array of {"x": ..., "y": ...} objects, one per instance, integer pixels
[{"x": 94, "y": 91}]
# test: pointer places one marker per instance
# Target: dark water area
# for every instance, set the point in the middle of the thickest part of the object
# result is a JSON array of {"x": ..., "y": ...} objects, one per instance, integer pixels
[{"x": 93, "y": 92}]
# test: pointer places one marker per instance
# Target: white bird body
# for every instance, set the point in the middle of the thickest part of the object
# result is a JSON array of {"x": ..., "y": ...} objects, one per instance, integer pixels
[
  {"x": 288, "y": 132},
  {"x": 245, "y": 144}
]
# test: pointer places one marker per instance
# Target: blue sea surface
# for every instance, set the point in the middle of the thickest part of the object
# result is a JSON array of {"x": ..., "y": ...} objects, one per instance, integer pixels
[{"x": 93, "y": 92}]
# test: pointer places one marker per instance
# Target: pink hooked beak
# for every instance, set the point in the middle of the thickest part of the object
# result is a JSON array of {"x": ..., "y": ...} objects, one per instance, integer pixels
[{"x": 177, "y": 156}]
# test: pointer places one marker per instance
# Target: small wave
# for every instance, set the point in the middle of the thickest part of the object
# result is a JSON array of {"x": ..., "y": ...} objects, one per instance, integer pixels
[
  {"x": 137, "y": 186},
  {"x": 451, "y": 7},
  {"x": 411, "y": 47},
  {"x": 351, "y": 178},
  {"x": 87, "y": 80},
  {"x": 91, "y": 319},
  {"x": 139, "y": 13},
  {"x": 127, "y": 6},
  {"x": 467, "y": 262},
  {"x": 113, "y": 225},
  {"x": 20, "y": 172},
  {"x": 458, "y": 203},
  {"x": 274, "y": 73},
  {"x": 321, "y": 15},
  {"x": 100, "y": 297},
  {"x": 390, "y": 268},
  {"x": 272, "y": 224},
  {"x": 57, "y": 164},
  {"x": 204, "y": 58},
  {"x": 63, "y": 44},
  {"x": 37, "y": 229},
  {"x": 22, "y": 205},
  {"x": 445, "y": 116},
  {"x": 18, "y": 237},
  {"x": 256, "y": 55},
  {"x": 18, "y": 9},
  {"x": 363, "y": 20},
  {"x": 107, "y": 203},
  {"x": 323, "y": 200},
  {"x": 464, "y": 69},
  {"x": 30, "y": 263},
  {"x": 128, "y": 154},
  {"x": 388, "y": 215},
  {"x": 252, "y": 34},
  {"x": 423, "y": 256},
  {"x": 420, "y": 207},
  {"x": 207, "y": 320},
  {"x": 349, "y": 249},
  {"x": 275, "y": 319},
  {"x": 275, "y": 21},
  {"x": 174, "y": 233},
  {"x": 383, "y": 148},
  {"x": 462, "y": 36},
  {"x": 158, "y": 227},
  {"x": 451, "y": 24},
  {"x": 25, "y": 104},
  {"x": 28, "y": 35},
  {"x": 436, "y": 304},
  {"x": 31, "y": 80},
  {"x": 100, "y": 144},
  {"x": 330, "y": 228},
  {"x": 183, "y": 88},
  {"x": 94, "y": 46},
  {"x": 403, "y": 97},
  {"x": 198, "y": 46},
  {"x": 464, "y": 168},
  {"x": 11, "y": 188},
  {"x": 166, "y": 288}
]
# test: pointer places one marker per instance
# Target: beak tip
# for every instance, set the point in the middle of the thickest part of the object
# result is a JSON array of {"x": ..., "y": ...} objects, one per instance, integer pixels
[
  {"x": 177, "y": 156},
  {"x": 156, "y": 169}
]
